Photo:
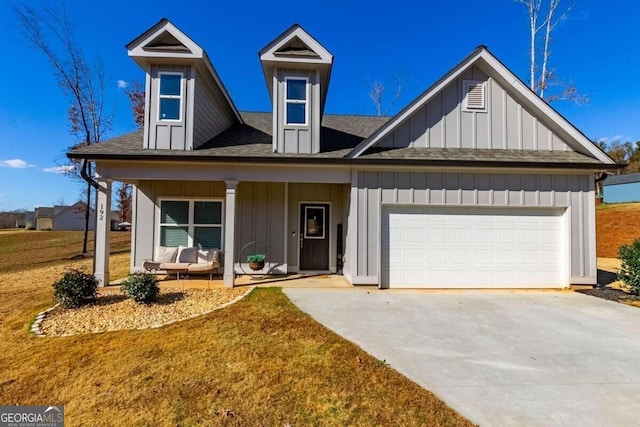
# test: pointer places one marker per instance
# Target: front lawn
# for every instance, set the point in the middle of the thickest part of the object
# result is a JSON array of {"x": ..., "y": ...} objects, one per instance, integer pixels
[{"x": 257, "y": 362}]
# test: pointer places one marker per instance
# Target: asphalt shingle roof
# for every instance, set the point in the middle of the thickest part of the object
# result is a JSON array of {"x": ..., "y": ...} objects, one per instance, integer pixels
[{"x": 339, "y": 134}]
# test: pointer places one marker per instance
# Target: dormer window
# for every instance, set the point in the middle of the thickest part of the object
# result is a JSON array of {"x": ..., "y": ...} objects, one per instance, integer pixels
[
  {"x": 170, "y": 96},
  {"x": 296, "y": 101}
]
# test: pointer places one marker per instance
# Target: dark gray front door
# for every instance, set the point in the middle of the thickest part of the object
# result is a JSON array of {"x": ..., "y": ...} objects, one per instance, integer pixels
[{"x": 314, "y": 236}]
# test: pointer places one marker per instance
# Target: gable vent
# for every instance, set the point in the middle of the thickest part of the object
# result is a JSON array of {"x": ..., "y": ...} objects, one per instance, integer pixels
[{"x": 474, "y": 95}]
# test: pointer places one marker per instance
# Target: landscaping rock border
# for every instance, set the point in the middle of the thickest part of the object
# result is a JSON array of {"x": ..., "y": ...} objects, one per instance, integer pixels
[{"x": 129, "y": 313}]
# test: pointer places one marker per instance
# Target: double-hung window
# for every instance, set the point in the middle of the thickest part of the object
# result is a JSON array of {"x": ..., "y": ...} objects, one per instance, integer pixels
[
  {"x": 296, "y": 96},
  {"x": 170, "y": 96},
  {"x": 195, "y": 223}
]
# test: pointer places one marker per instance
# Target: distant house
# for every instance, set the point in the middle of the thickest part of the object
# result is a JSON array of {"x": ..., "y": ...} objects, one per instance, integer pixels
[
  {"x": 26, "y": 220},
  {"x": 622, "y": 188},
  {"x": 68, "y": 218}
]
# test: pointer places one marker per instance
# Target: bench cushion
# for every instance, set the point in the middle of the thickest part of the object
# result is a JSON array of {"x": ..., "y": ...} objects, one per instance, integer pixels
[
  {"x": 174, "y": 266},
  {"x": 187, "y": 255},
  {"x": 165, "y": 254}
]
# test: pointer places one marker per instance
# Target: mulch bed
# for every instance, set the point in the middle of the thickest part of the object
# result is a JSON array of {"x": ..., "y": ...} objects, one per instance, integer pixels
[
  {"x": 611, "y": 294},
  {"x": 113, "y": 311}
]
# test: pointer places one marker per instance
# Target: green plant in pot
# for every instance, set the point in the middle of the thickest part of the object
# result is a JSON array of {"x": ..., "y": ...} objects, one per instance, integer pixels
[{"x": 256, "y": 262}]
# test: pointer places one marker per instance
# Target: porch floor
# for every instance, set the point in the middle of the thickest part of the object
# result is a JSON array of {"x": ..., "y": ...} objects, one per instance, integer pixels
[{"x": 284, "y": 281}]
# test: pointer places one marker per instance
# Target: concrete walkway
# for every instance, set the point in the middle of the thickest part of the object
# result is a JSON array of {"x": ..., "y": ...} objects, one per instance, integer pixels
[{"x": 499, "y": 358}]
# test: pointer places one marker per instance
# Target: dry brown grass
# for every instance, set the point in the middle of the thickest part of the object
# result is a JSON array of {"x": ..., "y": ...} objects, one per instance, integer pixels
[
  {"x": 26, "y": 248},
  {"x": 258, "y": 362},
  {"x": 616, "y": 225}
]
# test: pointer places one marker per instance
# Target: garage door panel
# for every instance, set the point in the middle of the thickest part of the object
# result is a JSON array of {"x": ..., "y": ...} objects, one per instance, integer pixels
[{"x": 472, "y": 247}]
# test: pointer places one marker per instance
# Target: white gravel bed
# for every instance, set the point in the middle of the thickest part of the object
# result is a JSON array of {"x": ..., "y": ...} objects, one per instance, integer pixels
[{"x": 113, "y": 311}]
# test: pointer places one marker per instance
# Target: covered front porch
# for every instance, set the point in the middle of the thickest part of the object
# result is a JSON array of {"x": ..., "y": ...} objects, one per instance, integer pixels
[{"x": 301, "y": 227}]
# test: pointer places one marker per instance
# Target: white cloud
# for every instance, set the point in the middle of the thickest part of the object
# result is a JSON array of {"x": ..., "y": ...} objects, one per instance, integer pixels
[
  {"x": 122, "y": 84},
  {"x": 59, "y": 169},
  {"x": 616, "y": 138},
  {"x": 15, "y": 164}
]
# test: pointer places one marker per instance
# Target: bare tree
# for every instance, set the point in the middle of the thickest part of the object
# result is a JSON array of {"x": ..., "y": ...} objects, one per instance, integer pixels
[
  {"x": 135, "y": 93},
  {"x": 376, "y": 91},
  {"x": 123, "y": 202},
  {"x": 50, "y": 32},
  {"x": 544, "y": 16}
]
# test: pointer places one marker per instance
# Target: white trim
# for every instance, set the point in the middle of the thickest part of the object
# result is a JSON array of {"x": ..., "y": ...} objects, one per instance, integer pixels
[
  {"x": 466, "y": 84},
  {"x": 483, "y": 56},
  {"x": 191, "y": 225},
  {"x": 583, "y": 280},
  {"x": 304, "y": 102},
  {"x": 142, "y": 57},
  {"x": 365, "y": 280},
  {"x": 178, "y": 97},
  {"x": 328, "y": 219},
  {"x": 268, "y": 52}
]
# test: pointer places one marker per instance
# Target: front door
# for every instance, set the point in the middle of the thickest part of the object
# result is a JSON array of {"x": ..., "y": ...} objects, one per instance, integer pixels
[{"x": 314, "y": 236}]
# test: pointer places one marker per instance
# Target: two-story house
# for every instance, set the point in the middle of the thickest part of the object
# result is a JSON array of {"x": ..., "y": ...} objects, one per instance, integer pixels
[{"x": 477, "y": 183}]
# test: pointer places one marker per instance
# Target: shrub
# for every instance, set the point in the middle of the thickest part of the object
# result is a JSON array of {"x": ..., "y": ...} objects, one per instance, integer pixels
[
  {"x": 76, "y": 288},
  {"x": 629, "y": 271},
  {"x": 31, "y": 227},
  {"x": 141, "y": 287}
]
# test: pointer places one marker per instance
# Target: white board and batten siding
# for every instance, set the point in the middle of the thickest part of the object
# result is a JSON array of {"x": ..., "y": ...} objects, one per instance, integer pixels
[{"x": 565, "y": 200}]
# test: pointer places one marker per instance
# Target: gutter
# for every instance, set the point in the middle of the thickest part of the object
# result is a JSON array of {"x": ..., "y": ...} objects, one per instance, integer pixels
[
  {"x": 83, "y": 173},
  {"x": 342, "y": 161}
]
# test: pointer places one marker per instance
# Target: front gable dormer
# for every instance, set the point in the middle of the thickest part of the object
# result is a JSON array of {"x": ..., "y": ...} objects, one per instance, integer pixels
[
  {"x": 297, "y": 70},
  {"x": 186, "y": 103}
]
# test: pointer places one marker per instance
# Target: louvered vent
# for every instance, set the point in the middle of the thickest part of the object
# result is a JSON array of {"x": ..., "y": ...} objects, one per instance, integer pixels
[{"x": 474, "y": 99}]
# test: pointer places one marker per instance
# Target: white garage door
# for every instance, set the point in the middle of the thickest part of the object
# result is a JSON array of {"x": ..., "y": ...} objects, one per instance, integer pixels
[{"x": 472, "y": 248}]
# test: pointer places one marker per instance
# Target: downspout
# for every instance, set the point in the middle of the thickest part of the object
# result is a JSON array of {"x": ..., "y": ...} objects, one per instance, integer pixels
[{"x": 85, "y": 176}]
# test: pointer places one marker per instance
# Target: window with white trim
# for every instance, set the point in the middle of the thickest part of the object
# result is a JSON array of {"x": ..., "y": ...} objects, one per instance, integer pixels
[
  {"x": 194, "y": 223},
  {"x": 296, "y": 97},
  {"x": 170, "y": 96}
]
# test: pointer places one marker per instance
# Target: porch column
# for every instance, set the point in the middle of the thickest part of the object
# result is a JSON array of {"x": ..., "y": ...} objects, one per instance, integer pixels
[
  {"x": 103, "y": 233},
  {"x": 229, "y": 232}
]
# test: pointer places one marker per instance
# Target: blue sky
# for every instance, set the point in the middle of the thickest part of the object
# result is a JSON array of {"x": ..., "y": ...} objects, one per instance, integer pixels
[{"x": 597, "y": 48}]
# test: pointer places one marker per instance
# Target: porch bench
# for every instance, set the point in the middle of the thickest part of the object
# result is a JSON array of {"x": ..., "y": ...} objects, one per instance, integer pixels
[{"x": 184, "y": 259}]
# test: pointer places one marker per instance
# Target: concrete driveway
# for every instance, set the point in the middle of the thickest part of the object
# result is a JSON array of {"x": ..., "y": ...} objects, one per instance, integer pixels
[{"x": 499, "y": 358}]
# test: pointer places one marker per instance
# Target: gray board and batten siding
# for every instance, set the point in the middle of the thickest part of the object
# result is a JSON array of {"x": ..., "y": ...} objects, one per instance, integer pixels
[
  {"x": 211, "y": 112},
  {"x": 267, "y": 213},
  {"x": 296, "y": 138},
  {"x": 202, "y": 103},
  {"x": 168, "y": 134},
  {"x": 371, "y": 190},
  {"x": 443, "y": 122}
]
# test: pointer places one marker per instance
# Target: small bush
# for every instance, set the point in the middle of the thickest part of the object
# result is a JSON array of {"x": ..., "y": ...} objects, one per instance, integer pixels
[
  {"x": 141, "y": 287},
  {"x": 629, "y": 271},
  {"x": 31, "y": 227},
  {"x": 76, "y": 288}
]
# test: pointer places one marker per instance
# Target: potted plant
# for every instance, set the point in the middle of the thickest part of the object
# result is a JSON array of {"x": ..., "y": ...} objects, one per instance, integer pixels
[{"x": 256, "y": 262}]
